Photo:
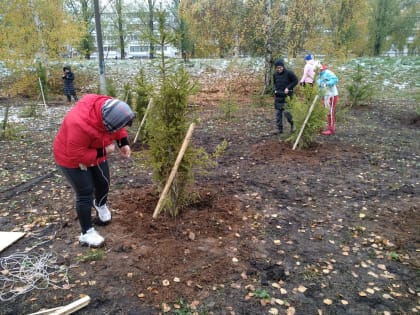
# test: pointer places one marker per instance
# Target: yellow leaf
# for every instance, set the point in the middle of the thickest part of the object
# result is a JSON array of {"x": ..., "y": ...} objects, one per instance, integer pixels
[
  {"x": 166, "y": 308},
  {"x": 328, "y": 301},
  {"x": 302, "y": 289}
]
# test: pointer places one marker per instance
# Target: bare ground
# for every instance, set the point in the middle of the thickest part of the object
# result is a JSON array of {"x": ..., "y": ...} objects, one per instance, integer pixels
[{"x": 329, "y": 230}]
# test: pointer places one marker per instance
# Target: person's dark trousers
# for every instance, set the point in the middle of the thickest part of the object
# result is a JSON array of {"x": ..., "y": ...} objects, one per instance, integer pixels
[
  {"x": 279, "y": 116},
  {"x": 68, "y": 97},
  {"x": 88, "y": 183}
]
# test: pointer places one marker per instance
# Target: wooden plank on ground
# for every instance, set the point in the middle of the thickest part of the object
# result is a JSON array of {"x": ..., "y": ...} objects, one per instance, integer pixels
[
  {"x": 8, "y": 238},
  {"x": 67, "y": 309}
]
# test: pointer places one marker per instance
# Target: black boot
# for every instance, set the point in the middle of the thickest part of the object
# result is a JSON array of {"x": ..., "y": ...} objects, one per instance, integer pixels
[{"x": 292, "y": 126}]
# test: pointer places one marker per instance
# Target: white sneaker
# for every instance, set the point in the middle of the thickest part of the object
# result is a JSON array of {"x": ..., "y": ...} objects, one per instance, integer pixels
[
  {"x": 91, "y": 238},
  {"x": 103, "y": 212}
]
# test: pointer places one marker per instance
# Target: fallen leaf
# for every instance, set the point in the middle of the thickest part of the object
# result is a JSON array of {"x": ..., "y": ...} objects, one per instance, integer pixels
[
  {"x": 382, "y": 267},
  {"x": 273, "y": 311},
  {"x": 194, "y": 304},
  {"x": 166, "y": 308},
  {"x": 279, "y": 302},
  {"x": 302, "y": 289},
  {"x": 370, "y": 290},
  {"x": 328, "y": 301},
  {"x": 344, "y": 302}
]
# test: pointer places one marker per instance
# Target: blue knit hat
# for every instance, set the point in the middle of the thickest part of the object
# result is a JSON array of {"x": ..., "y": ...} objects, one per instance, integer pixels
[
  {"x": 308, "y": 57},
  {"x": 116, "y": 114},
  {"x": 279, "y": 63}
]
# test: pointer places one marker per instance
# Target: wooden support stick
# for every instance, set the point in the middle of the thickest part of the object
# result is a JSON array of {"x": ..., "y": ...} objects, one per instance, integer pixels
[
  {"x": 144, "y": 119},
  {"x": 306, "y": 120},
  {"x": 174, "y": 170},
  {"x": 68, "y": 309},
  {"x": 42, "y": 92}
]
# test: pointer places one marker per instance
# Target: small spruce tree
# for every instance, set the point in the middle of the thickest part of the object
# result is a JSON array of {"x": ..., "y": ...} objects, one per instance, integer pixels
[
  {"x": 142, "y": 93},
  {"x": 359, "y": 90},
  {"x": 167, "y": 126},
  {"x": 299, "y": 107},
  {"x": 128, "y": 94},
  {"x": 43, "y": 77},
  {"x": 111, "y": 89}
]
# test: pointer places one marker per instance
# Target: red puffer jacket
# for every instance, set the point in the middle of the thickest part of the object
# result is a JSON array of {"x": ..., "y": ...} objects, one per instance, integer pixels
[{"x": 82, "y": 133}]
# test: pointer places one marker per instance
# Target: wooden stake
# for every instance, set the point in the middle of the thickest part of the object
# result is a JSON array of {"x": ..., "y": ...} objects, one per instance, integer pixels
[
  {"x": 144, "y": 119},
  {"x": 306, "y": 120},
  {"x": 8, "y": 238},
  {"x": 66, "y": 310},
  {"x": 174, "y": 170},
  {"x": 42, "y": 92}
]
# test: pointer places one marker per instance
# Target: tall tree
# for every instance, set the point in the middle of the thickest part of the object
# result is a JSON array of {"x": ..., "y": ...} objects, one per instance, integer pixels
[
  {"x": 215, "y": 25},
  {"x": 301, "y": 21},
  {"x": 118, "y": 5},
  {"x": 185, "y": 43},
  {"x": 82, "y": 11},
  {"x": 384, "y": 16},
  {"x": 151, "y": 17},
  {"x": 407, "y": 25},
  {"x": 253, "y": 32},
  {"x": 345, "y": 22},
  {"x": 35, "y": 31},
  {"x": 268, "y": 54}
]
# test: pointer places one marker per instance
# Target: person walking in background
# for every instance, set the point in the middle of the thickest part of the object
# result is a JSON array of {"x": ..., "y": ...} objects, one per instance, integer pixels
[
  {"x": 308, "y": 71},
  {"x": 68, "y": 80},
  {"x": 284, "y": 81},
  {"x": 85, "y": 138},
  {"x": 327, "y": 83}
]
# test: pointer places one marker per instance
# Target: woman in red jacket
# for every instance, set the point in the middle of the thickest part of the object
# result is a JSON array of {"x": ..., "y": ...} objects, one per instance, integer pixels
[{"x": 81, "y": 146}]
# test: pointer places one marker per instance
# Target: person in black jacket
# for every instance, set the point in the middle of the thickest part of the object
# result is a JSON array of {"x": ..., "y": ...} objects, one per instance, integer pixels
[
  {"x": 68, "y": 78},
  {"x": 284, "y": 81}
]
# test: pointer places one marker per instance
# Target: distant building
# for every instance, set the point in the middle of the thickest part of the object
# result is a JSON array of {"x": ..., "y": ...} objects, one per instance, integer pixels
[
  {"x": 135, "y": 46},
  {"x": 408, "y": 49}
]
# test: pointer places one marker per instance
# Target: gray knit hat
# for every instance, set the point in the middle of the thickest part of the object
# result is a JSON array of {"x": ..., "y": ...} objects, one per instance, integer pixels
[{"x": 116, "y": 114}]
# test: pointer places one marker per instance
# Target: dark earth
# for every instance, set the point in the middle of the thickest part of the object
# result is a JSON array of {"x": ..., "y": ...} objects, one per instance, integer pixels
[{"x": 333, "y": 229}]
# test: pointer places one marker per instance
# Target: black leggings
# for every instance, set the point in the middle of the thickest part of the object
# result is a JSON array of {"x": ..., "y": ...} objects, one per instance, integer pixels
[{"x": 88, "y": 183}]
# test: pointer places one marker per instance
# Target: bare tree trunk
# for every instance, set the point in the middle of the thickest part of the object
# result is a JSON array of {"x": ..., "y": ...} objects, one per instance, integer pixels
[
  {"x": 151, "y": 4},
  {"x": 102, "y": 81},
  {"x": 118, "y": 7},
  {"x": 268, "y": 55}
]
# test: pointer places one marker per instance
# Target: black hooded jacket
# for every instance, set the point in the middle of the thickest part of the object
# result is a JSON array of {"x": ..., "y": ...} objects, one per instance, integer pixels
[
  {"x": 281, "y": 81},
  {"x": 68, "y": 78}
]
